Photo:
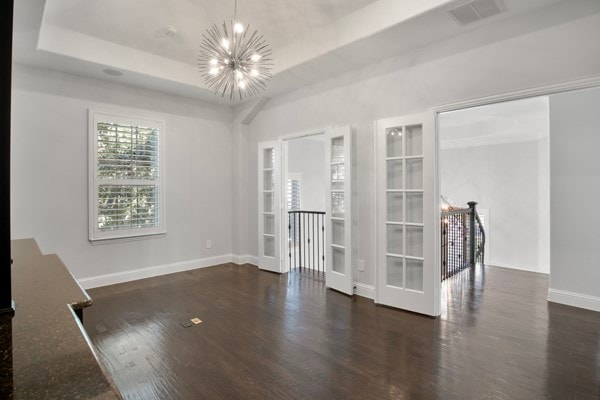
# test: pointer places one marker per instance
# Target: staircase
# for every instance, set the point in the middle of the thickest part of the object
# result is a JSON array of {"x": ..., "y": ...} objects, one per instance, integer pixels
[{"x": 463, "y": 238}]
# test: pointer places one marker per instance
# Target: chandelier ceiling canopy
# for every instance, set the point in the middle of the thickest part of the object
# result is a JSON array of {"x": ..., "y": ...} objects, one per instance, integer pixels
[{"x": 234, "y": 62}]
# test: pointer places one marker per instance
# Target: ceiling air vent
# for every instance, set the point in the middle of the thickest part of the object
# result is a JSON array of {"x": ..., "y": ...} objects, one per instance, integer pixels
[{"x": 477, "y": 10}]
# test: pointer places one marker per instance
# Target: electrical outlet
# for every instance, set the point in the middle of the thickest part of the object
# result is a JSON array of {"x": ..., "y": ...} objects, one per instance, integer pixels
[
  {"x": 361, "y": 265},
  {"x": 209, "y": 244}
]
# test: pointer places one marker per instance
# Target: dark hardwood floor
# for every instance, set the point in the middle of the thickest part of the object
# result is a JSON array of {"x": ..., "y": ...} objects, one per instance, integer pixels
[{"x": 267, "y": 336}]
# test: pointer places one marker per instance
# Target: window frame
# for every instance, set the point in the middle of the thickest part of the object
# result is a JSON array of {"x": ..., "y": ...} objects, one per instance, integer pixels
[{"x": 97, "y": 235}]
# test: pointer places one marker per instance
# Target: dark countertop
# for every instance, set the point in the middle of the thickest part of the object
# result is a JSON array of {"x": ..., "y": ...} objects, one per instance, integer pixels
[{"x": 52, "y": 356}]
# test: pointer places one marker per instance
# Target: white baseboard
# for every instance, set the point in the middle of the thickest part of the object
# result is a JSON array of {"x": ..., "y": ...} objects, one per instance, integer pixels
[
  {"x": 245, "y": 259},
  {"x": 493, "y": 264},
  {"x": 364, "y": 290},
  {"x": 574, "y": 299},
  {"x": 149, "y": 272},
  {"x": 91, "y": 282}
]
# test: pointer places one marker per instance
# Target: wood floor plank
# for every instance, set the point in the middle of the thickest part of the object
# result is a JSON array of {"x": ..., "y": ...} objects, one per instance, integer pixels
[{"x": 268, "y": 336}]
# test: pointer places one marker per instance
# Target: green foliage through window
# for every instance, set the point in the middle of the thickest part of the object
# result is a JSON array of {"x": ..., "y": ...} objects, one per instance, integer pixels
[
  {"x": 127, "y": 207},
  {"x": 127, "y": 152},
  {"x": 128, "y": 163}
]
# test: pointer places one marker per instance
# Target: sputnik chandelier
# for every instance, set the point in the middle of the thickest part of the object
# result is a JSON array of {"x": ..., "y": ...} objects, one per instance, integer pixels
[{"x": 233, "y": 62}]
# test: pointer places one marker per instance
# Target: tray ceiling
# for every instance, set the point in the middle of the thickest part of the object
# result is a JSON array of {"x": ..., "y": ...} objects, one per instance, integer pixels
[{"x": 312, "y": 40}]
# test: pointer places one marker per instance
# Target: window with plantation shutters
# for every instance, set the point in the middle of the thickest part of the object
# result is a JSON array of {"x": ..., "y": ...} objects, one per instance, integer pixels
[
  {"x": 294, "y": 192},
  {"x": 126, "y": 190}
]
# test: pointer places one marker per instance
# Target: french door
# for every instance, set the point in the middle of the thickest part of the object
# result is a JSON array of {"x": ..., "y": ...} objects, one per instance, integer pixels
[
  {"x": 269, "y": 206},
  {"x": 338, "y": 165},
  {"x": 406, "y": 214},
  {"x": 338, "y": 226}
]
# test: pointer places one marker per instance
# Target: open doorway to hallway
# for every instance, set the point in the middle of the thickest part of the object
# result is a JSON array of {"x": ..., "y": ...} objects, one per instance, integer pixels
[
  {"x": 495, "y": 192},
  {"x": 305, "y": 203}
]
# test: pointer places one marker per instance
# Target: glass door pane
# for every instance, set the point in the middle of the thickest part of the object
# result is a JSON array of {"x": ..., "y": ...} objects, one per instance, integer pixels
[
  {"x": 268, "y": 216},
  {"x": 338, "y": 259},
  {"x": 394, "y": 174},
  {"x": 395, "y": 269},
  {"x": 338, "y": 262},
  {"x": 414, "y": 274},
  {"x": 269, "y": 159},
  {"x": 337, "y": 150},
  {"x": 414, "y": 208},
  {"x": 337, "y": 176},
  {"x": 268, "y": 203},
  {"x": 414, "y": 173},
  {"x": 337, "y": 232},
  {"x": 394, "y": 142},
  {"x": 414, "y": 140},
  {"x": 404, "y": 205},
  {"x": 337, "y": 205}
]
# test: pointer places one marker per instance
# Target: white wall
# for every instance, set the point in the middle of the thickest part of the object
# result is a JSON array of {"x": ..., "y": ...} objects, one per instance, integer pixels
[
  {"x": 543, "y": 206},
  {"x": 307, "y": 157},
  {"x": 50, "y": 180},
  {"x": 439, "y": 74},
  {"x": 575, "y": 195},
  {"x": 504, "y": 178}
]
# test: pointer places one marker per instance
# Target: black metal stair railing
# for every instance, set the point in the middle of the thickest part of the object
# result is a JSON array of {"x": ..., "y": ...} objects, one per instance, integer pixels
[
  {"x": 479, "y": 241},
  {"x": 463, "y": 239},
  {"x": 306, "y": 241}
]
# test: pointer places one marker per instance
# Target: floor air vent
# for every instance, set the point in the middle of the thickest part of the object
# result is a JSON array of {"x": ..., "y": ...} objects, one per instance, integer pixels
[{"x": 477, "y": 10}]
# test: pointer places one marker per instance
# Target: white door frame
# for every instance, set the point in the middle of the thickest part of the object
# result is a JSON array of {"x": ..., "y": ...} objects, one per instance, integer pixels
[
  {"x": 547, "y": 90},
  {"x": 284, "y": 177}
]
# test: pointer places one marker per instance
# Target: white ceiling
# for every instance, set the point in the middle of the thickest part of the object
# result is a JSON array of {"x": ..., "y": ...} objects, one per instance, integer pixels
[
  {"x": 141, "y": 24},
  {"x": 312, "y": 39},
  {"x": 508, "y": 122}
]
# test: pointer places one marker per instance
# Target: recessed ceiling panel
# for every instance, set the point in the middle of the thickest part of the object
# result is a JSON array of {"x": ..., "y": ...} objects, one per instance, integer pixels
[{"x": 143, "y": 24}]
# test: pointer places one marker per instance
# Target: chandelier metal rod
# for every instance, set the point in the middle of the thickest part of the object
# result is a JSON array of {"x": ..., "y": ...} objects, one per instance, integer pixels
[{"x": 234, "y": 61}]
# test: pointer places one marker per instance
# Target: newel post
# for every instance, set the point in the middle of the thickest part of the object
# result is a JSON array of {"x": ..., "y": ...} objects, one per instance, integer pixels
[{"x": 472, "y": 235}]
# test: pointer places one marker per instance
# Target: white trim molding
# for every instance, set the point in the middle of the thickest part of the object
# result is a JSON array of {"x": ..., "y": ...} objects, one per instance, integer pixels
[
  {"x": 245, "y": 259},
  {"x": 149, "y": 272},
  {"x": 364, "y": 290},
  {"x": 574, "y": 299},
  {"x": 544, "y": 90},
  {"x": 517, "y": 268}
]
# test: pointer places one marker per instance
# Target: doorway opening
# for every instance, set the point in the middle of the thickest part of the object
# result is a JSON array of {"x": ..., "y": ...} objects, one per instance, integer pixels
[
  {"x": 495, "y": 194},
  {"x": 304, "y": 217}
]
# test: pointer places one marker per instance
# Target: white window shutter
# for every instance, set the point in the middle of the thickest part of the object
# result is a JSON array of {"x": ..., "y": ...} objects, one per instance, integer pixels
[{"x": 126, "y": 177}]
